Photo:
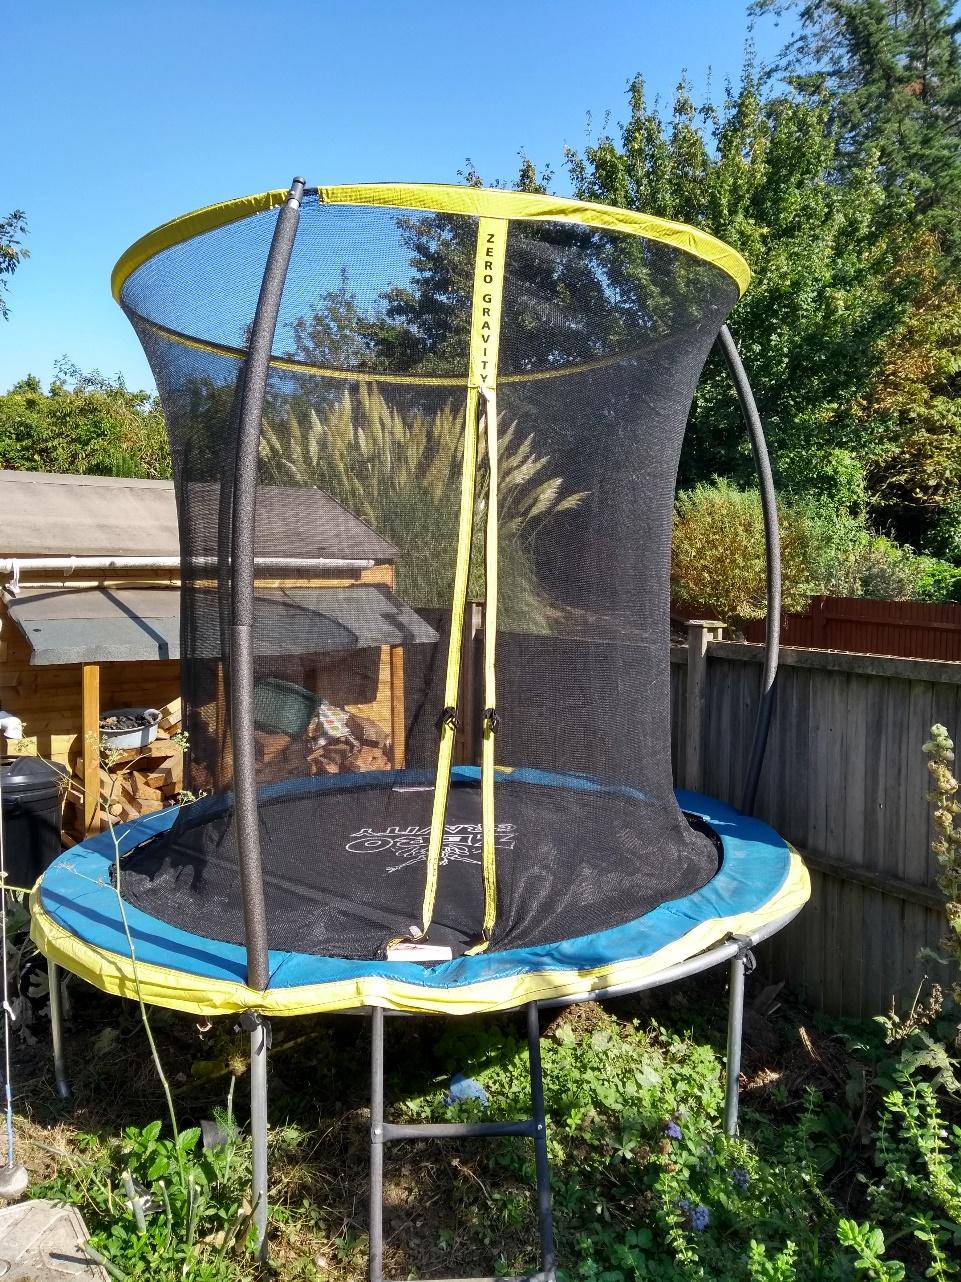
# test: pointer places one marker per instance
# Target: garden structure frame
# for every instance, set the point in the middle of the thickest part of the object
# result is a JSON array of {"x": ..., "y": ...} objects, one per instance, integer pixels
[{"x": 579, "y": 331}]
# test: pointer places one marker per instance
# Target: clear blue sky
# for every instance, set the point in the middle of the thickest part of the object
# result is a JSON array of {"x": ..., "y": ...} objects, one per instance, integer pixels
[{"x": 122, "y": 114}]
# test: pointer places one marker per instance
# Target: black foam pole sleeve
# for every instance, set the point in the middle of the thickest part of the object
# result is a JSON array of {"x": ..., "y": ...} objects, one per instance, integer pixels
[
  {"x": 242, "y": 547},
  {"x": 772, "y": 548}
]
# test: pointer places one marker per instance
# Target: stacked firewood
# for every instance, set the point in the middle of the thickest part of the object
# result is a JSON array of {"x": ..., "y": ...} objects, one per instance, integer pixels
[
  {"x": 335, "y": 742},
  {"x": 131, "y": 781}
]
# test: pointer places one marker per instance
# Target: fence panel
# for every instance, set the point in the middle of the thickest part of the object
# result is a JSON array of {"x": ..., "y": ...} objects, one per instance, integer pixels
[
  {"x": 845, "y": 781},
  {"x": 912, "y": 629}
]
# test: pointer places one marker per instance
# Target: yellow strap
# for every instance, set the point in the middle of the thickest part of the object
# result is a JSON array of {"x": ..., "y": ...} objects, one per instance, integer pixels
[
  {"x": 445, "y": 752},
  {"x": 496, "y": 249},
  {"x": 482, "y": 364},
  {"x": 488, "y": 762}
]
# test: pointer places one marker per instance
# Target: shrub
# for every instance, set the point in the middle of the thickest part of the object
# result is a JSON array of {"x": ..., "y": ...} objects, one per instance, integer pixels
[
  {"x": 718, "y": 563},
  {"x": 940, "y": 581},
  {"x": 945, "y": 537},
  {"x": 85, "y": 423},
  {"x": 718, "y": 557},
  {"x": 400, "y": 472}
]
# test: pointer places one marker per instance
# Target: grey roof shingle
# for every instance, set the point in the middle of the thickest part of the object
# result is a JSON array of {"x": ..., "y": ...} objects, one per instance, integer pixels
[{"x": 46, "y": 514}]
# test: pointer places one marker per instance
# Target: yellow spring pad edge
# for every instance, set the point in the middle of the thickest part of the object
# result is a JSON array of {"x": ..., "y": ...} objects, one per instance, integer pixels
[{"x": 180, "y": 990}]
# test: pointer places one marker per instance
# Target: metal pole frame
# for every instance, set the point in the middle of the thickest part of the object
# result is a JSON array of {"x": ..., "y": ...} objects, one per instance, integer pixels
[
  {"x": 534, "y": 1128},
  {"x": 56, "y": 1029},
  {"x": 259, "y": 1046},
  {"x": 242, "y": 513},
  {"x": 242, "y": 561},
  {"x": 741, "y": 966},
  {"x": 772, "y": 550}
]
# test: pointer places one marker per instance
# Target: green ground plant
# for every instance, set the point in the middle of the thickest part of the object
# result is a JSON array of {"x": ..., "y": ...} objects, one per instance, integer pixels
[
  {"x": 947, "y": 843},
  {"x": 193, "y": 1201},
  {"x": 822, "y": 1185}
]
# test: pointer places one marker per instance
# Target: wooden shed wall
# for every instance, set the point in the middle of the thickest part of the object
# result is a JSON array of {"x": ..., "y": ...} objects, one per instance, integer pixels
[{"x": 48, "y": 698}]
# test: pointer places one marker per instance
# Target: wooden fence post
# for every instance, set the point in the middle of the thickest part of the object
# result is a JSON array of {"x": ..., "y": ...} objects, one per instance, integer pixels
[{"x": 700, "y": 632}]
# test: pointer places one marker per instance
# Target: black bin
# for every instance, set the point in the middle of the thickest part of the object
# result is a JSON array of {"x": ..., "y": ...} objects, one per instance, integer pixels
[{"x": 31, "y": 791}]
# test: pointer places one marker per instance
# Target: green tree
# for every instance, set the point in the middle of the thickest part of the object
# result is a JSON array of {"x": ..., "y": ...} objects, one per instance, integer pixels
[
  {"x": 892, "y": 72},
  {"x": 84, "y": 423},
  {"x": 12, "y": 253},
  {"x": 758, "y": 170}
]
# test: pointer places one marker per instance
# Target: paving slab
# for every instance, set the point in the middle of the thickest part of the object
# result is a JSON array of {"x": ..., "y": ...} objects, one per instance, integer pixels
[{"x": 42, "y": 1241}]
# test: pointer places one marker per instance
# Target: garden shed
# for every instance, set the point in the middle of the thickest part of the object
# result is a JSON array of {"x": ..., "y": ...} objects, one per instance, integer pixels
[{"x": 90, "y": 572}]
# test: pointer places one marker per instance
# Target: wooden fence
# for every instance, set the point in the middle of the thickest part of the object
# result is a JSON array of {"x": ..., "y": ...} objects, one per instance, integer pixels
[
  {"x": 913, "y": 629},
  {"x": 845, "y": 781}
]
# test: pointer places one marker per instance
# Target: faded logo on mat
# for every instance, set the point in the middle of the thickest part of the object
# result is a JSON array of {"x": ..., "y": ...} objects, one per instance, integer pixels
[{"x": 463, "y": 843}]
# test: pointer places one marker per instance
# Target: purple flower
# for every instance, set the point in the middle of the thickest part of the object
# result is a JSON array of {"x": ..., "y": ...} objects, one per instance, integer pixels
[
  {"x": 740, "y": 1178},
  {"x": 672, "y": 1130},
  {"x": 699, "y": 1218}
]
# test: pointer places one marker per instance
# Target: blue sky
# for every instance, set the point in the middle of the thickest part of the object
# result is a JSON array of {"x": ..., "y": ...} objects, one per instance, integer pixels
[{"x": 121, "y": 115}]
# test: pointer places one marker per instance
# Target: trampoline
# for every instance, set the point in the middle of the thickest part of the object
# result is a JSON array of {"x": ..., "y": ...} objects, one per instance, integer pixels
[{"x": 425, "y": 441}]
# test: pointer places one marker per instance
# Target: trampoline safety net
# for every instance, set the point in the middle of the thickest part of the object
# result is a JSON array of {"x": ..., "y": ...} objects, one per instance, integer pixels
[{"x": 461, "y": 686}]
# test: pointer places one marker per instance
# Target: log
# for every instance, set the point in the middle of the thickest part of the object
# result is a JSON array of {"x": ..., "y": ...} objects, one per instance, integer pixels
[
  {"x": 368, "y": 759},
  {"x": 269, "y": 745}
]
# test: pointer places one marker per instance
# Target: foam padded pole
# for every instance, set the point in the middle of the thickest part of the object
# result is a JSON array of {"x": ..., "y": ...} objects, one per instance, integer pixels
[
  {"x": 772, "y": 549},
  {"x": 242, "y": 546}
]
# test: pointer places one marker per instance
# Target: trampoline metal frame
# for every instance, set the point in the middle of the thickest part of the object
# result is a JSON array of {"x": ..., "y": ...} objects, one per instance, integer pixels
[
  {"x": 239, "y": 514},
  {"x": 736, "y": 951}
]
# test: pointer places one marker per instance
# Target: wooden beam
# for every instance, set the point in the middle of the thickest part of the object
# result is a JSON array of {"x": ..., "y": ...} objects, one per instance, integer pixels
[
  {"x": 397, "y": 712},
  {"x": 940, "y": 671},
  {"x": 90, "y": 736},
  {"x": 882, "y": 882}
]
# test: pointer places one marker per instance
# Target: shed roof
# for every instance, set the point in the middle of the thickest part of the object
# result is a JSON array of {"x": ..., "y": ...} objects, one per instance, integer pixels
[
  {"x": 103, "y": 625},
  {"x": 48, "y": 514}
]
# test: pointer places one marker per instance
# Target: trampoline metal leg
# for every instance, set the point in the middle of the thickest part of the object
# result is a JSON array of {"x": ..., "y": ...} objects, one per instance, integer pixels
[
  {"x": 741, "y": 965},
  {"x": 259, "y": 1042},
  {"x": 376, "y": 1219},
  {"x": 56, "y": 1030},
  {"x": 545, "y": 1221},
  {"x": 382, "y": 1133}
]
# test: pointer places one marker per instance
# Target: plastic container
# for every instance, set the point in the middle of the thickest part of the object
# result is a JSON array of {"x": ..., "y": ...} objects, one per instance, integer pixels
[
  {"x": 31, "y": 793},
  {"x": 139, "y": 737},
  {"x": 283, "y": 706}
]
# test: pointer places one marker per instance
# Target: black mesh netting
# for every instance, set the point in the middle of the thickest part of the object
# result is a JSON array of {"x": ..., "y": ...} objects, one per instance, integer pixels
[{"x": 603, "y": 338}]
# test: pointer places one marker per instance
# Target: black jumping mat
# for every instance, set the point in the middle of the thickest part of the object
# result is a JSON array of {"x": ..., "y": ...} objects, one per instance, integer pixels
[{"x": 345, "y": 863}]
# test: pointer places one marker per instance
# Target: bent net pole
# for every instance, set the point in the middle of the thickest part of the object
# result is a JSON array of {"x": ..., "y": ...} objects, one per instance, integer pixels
[
  {"x": 772, "y": 550},
  {"x": 242, "y": 569}
]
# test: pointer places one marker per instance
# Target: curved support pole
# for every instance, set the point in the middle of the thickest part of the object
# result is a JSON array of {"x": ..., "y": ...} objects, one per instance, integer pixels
[
  {"x": 242, "y": 545},
  {"x": 772, "y": 546}
]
